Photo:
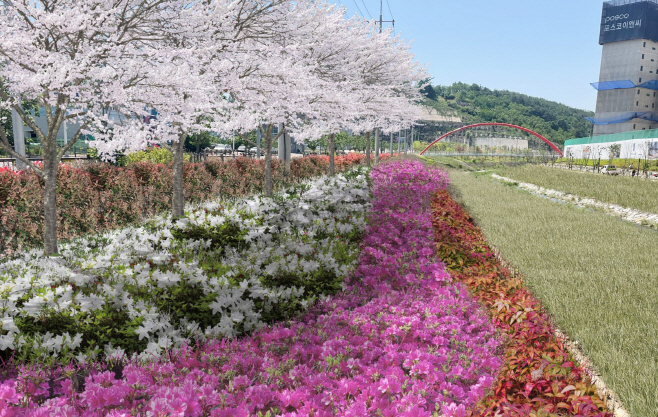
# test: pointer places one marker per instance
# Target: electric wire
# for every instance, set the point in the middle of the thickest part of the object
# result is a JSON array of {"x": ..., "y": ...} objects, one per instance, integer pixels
[
  {"x": 357, "y": 7},
  {"x": 367, "y": 11},
  {"x": 389, "y": 10}
]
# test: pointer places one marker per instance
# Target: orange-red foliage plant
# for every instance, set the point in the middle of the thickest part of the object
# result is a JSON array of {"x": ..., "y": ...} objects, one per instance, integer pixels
[{"x": 538, "y": 378}]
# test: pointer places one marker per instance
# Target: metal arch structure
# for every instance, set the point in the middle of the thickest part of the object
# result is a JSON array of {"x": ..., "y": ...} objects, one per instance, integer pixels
[{"x": 548, "y": 142}]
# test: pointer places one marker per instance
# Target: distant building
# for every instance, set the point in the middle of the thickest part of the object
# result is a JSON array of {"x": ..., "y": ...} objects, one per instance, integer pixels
[
  {"x": 509, "y": 144},
  {"x": 628, "y": 81},
  {"x": 66, "y": 131}
]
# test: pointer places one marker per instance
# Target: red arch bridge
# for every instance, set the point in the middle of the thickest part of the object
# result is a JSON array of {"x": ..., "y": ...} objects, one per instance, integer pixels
[{"x": 548, "y": 142}]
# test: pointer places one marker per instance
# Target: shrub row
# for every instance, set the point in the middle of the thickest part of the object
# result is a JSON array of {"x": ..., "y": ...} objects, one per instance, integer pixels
[
  {"x": 538, "y": 375},
  {"x": 100, "y": 196}
]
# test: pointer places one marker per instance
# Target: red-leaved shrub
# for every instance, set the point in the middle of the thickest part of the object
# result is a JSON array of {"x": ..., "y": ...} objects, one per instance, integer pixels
[{"x": 100, "y": 196}]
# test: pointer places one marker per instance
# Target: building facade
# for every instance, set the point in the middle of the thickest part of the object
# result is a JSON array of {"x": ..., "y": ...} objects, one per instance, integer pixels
[{"x": 627, "y": 97}]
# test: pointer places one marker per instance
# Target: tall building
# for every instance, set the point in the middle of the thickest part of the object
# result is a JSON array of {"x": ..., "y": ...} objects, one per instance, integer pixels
[{"x": 628, "y": 82}]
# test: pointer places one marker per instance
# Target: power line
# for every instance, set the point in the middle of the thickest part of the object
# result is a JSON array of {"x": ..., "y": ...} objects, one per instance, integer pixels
[
  {"x": 366, "y": 7},
  {"x": 357, "y": 7},
  {"x": 389, "y": 10}
]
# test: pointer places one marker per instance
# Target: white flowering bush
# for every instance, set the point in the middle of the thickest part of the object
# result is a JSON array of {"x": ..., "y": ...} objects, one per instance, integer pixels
[{"x": 224, "y": 269}]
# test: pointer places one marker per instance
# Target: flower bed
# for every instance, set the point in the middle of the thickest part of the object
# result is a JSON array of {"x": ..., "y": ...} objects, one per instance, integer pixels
[
  {"x": 538, "y": 375},
  {"x": 102, "y": 197},
  {"x": 401, "y": 340},
  {"x": 224, "y": 269}
]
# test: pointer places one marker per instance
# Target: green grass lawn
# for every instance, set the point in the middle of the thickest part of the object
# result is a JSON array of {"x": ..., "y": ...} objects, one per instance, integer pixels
[
  {"x": 624, "y": 191},
  {"x": 596, "y": 275}
]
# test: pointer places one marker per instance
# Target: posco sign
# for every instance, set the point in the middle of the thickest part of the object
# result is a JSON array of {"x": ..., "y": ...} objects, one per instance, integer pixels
[
  {"x": 630, "y": 21},
  {"x": 615, "y": 18}
]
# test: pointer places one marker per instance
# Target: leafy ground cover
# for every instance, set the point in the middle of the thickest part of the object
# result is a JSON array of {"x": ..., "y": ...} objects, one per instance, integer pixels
[
  {"x": 401, "y": 339},
  {"x": 624, "y": 191},
  {"x": 594, "y": 274},
  {"x": 101, "y": 197}
]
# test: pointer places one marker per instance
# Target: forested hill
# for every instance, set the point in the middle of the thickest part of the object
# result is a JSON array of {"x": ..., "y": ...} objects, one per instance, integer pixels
[{"x": 476, "y": 104}]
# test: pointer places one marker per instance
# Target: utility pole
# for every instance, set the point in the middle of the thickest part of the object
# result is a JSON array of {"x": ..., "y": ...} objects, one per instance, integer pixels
[
  {"x": 19, "y": 137},
  {"x": 381, "y": 27},
  {"x": 284, "y": 147},
  {"x": 376, "y": 145},
  {"x": 381, "y": 22}
]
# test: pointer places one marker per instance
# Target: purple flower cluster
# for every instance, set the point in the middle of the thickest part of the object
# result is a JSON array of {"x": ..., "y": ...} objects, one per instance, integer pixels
[{"x": 401, "y": 340}]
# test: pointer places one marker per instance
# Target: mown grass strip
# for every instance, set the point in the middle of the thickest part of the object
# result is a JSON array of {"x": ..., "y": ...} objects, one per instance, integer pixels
[
  {"x": 595, "y": 274},
  {"x": 624, "y": 191}
]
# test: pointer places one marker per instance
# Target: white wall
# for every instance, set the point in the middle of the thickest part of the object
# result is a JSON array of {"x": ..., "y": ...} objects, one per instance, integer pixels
[
  {"x": 509, "y": 143},
  {"x": 631, "y": 149}
]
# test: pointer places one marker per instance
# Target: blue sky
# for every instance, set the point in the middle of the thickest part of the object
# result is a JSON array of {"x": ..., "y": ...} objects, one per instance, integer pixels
[{"x": 543, "y": 48}]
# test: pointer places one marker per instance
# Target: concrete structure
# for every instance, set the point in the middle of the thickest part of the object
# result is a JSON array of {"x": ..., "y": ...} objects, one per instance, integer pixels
[
  {"x": 635, "y": 60},
  {"x": 430, "y": 114},
  {"x": 507, "y": 143},
  {"x": 628, "y": 79},
  {"x": 504, "y": 143}
]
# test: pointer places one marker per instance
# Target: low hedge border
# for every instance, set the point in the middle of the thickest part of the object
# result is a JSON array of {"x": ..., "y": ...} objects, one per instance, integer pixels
[
  {"x": 539, "y": 376},
  {"x": 101, "y": 197}
]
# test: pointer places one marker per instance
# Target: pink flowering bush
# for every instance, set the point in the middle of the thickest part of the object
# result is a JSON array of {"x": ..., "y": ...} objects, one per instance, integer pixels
[{"x": 402, "y": 339}]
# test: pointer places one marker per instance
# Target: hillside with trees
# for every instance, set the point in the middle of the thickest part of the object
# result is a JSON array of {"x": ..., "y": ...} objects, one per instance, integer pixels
[{"x": 477, "y": 104}]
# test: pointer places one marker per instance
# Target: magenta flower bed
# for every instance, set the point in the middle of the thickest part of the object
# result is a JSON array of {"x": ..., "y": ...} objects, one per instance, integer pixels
[{"x": 401, "y": 340}]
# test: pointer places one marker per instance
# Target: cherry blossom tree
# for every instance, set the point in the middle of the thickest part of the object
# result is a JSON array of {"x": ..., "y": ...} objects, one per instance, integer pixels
[
  {"x": 231, "y": 65},
  {"x": 372, "y": 76},
  {"x": 75, "y": 58},
  {"x": 215, "y": 57}
]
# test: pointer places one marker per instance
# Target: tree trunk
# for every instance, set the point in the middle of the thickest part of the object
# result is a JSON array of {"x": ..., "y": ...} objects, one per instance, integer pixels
[
  {"x": 178, "y": 197},
  {"x": 368, "y": 149},
  {"x": 50, "y": 166},
  {"x": 332, "y": 167},
  {"x": 267, "y": 137}
]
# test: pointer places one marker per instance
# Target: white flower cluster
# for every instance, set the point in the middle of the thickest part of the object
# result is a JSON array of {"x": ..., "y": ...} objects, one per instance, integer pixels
[{"x": 300, "y": 232}]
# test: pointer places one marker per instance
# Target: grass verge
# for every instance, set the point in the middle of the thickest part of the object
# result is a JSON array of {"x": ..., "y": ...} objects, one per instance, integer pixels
[
  {"x": 594, "y": 274},
  {"x": 623, "y": 191}
]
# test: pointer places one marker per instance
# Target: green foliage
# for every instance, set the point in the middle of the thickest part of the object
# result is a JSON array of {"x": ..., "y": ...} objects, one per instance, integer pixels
[
  {"x": 152, "y": 155},
  {"x": 99, "y": 328},
  {"x": 342, "y": 141},
  {"x": 476, "y": 104},
  {"x": 427, "y": 90},
  {"x": 221, "y": 237},
  {"x": 199, "y": 141}
]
